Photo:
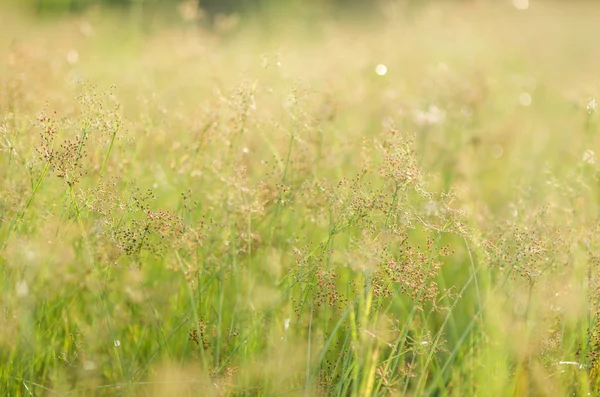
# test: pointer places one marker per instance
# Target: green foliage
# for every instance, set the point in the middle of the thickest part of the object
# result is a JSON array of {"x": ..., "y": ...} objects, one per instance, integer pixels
[{"x": 270, "y": 209}]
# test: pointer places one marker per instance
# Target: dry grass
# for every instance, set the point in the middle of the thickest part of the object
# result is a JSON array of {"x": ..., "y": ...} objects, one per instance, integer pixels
[{"x": 261, "y": 210}]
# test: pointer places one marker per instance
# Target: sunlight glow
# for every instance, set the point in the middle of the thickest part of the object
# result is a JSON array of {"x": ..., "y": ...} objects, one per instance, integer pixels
[{"x": 381, "y": 69}]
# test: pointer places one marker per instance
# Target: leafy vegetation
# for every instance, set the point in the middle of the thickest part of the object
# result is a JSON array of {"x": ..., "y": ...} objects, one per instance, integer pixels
[{"x": 288, "y": 206}]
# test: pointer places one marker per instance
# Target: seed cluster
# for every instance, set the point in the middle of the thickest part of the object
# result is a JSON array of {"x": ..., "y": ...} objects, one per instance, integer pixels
[{"x": 67, "y": 160}]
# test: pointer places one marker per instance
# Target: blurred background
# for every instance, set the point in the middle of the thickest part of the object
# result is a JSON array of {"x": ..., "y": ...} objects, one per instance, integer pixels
[
  {"x": 209, "y": 11},
  {"x": 209, "y": 8}
]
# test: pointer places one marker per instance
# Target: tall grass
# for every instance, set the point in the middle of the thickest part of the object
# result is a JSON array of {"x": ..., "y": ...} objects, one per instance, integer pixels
[{"x": 263, "y": 210}]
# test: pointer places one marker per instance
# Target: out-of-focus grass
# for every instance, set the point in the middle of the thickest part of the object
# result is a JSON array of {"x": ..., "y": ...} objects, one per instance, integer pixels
[{"x": 261, "y": 210}]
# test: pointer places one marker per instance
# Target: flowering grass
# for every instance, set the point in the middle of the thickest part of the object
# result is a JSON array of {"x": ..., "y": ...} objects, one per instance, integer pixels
[{"x": 284, "y": 206}]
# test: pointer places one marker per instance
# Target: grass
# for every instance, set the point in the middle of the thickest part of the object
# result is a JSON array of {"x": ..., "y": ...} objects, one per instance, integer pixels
[{"x": 263, "y": 210}]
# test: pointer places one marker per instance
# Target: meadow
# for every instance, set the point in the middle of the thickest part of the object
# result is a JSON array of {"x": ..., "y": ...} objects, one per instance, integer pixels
[{"x": 301, "y": 204}]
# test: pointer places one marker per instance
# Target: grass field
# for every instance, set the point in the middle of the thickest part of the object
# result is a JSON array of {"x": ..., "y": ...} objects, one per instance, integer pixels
[{"x": 401, "y": 204}]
